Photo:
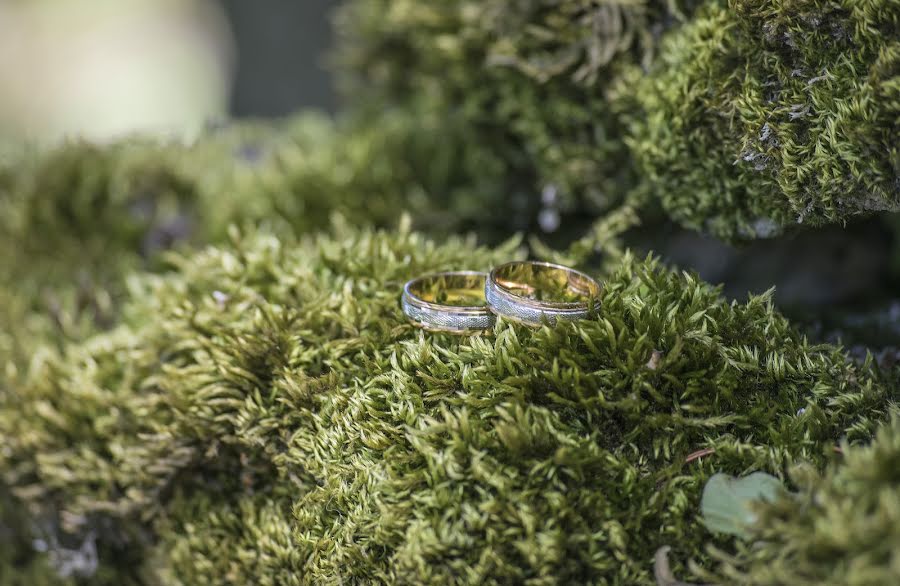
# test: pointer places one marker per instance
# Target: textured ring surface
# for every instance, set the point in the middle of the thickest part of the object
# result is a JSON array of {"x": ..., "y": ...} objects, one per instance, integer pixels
[
  {"x": 533, "y": 293},
  {"x": 448, "y": 302}
]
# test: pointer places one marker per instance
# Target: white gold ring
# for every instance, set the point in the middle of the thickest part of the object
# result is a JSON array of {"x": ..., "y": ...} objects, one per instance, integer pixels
[
  {"x": 532, "y": 292},
  {"x": 448, "y": 302}
]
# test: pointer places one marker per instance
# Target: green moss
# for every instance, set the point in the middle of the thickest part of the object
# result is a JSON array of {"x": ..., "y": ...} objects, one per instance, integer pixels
[
  {"x": 843, "y": 527},
  {"x": 260, "y": 411},
  {"x": 83, "y": 203},
  {"x": 755, "y": 116},
  {"x": 75, "y": 221},
  {"x": 264, "y": 411},
  {"x": 764, "y": 114},
  {"x": 526, "y": 79}
]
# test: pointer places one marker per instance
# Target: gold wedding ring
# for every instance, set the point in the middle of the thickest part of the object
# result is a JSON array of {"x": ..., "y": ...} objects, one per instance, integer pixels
[
  {"x": 533, "y": 293},
  {"x": 448, "y": 302}
]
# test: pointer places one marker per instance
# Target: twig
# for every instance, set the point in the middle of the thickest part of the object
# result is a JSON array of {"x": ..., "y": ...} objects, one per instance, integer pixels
[{"x": 699, "y": 454}]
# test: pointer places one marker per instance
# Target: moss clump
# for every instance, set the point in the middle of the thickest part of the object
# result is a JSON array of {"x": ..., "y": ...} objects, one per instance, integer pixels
[
  {"x": 76, "y": 220},
  {"x": 526, "y": 79},
  {"x": 754, "y": 116},
  {"x": 762, "y": 114},
  {"x": 843, "y": 527},
  {"x": 264, "y": 412},
  {"x": 83, "y": 202}
]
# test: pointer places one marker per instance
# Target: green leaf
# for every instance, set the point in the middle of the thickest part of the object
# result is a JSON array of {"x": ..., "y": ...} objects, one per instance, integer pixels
[{"x": 726, "y": 506}]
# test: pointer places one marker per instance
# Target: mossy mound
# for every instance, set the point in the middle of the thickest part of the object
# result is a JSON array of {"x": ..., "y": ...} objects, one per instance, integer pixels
[
  {"x": 76, "y": 220},
  {"x": 742, "y": 117},
  {"x": 80, "y": 203},
  {"x": 526, "y": 79},
  {"x": 842, "y": 527},
  {"x": 763, "y": 114},
  {"x": 264, "y": 413}
]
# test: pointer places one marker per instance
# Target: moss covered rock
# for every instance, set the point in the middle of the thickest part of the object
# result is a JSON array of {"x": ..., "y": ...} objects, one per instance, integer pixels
[
  {"x": 139, "y": 197},
  {"x": 742, "y": 117},
  {"x": 259, "y": 411},
  {"x": 762, "y": 114},
  {"x": 264, "y": 413},
  {"x": 526, "y": 79},
  {"x": 76, "y": 220}
]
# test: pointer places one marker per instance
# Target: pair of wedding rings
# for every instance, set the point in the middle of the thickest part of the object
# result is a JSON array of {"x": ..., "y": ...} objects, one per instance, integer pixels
[{"x": 528, "y": 292}]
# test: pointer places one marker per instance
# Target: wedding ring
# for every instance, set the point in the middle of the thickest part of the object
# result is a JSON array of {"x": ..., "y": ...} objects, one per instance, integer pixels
[
  {"x": 448, "y": 302},
  {"x": 533, "y": 293}
]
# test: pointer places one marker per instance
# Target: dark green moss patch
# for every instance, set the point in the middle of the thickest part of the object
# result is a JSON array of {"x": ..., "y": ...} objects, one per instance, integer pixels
[{"x": 763, "y": 114}]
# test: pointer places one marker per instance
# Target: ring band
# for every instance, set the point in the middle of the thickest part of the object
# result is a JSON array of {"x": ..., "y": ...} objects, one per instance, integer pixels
[
  {"x": 532, "y": 292},
  {"x": 448, "y": 302}
]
